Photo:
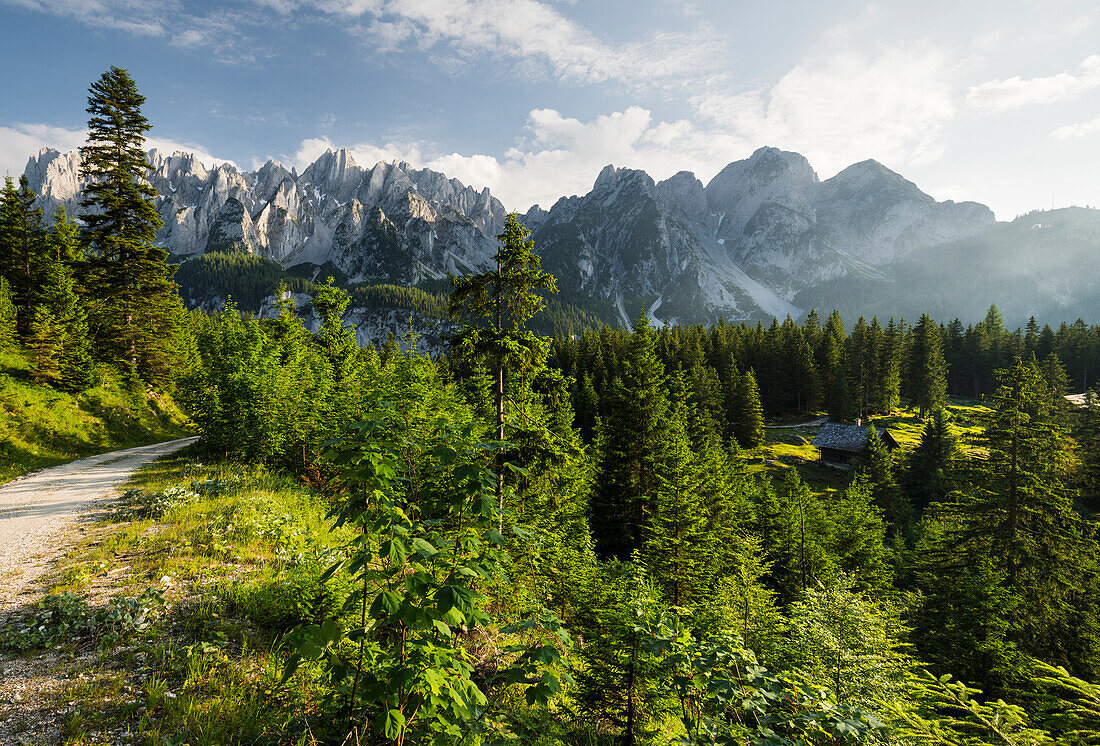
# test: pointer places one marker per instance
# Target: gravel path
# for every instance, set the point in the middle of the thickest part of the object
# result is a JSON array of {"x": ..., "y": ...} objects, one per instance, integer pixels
[{"x": 38, "y": 511}]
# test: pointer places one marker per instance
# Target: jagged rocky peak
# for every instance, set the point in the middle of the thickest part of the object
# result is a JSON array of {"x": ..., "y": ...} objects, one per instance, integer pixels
[
  {"x": 616, "y": 178},
  {"x": 534, "y": 217},
  {"x": 769, "y": 175},
  {"x": 686, "y": 193},
  {"x": 56, "y": 176},
  {"x": 232, "y": 230},
  {"x": 334, "y": 174},
  {"x": 870, "y": 176}
]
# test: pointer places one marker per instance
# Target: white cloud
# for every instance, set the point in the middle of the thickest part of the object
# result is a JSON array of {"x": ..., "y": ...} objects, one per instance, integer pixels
[
  {"x": 846, "y": 107},
  {"x": 529, "y": 30},
  {"x": 138, "y": 17},
  {"x": 1011, "y": 93},
  {"x": 835, "y": 111},
  {"x": 1074, "y": 131}
]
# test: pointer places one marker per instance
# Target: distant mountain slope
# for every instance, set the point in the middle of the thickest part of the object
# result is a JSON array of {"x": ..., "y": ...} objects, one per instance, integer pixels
[
  {"x": 766, "y": 237},
  {"x": 1042, "y": 264}
]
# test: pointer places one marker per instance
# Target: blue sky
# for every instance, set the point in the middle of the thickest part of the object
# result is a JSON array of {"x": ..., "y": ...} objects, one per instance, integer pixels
[{"x": 997, "y": 102}]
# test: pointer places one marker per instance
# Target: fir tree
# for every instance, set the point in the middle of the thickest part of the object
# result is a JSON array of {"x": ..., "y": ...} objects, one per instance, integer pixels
[
  {"x": 748, "y": 427},
  {"x": 928, "y": 472},
  {"x": 22, "y": 248},
  {"x": 495, "y": 307},
  {"x": 635, "y": 436},
  {"x": 927, "y": 380},
  {"x": 136, "y": 308}
]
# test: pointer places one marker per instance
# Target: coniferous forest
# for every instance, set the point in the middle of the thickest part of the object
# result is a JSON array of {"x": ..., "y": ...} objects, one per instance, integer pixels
[{"x": 593, "y": 538}]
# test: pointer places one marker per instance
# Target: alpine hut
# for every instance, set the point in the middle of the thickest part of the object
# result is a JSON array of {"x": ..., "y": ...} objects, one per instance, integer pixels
[{"x": 838, "y": 442}]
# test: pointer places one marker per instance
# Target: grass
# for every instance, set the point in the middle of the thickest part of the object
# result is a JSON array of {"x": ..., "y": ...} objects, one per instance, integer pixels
[
  {"x": 789, "y": 446},
  {"x": 237, "y": 552},
  {"x": 41, "y": 427}
]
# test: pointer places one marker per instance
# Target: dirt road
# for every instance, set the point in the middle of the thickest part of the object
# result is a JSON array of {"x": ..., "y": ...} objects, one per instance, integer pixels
[{"x": 38, "y": 512}]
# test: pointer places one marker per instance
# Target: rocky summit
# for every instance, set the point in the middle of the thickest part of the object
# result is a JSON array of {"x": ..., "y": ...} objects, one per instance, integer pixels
[{"x": 747, "y": 245}]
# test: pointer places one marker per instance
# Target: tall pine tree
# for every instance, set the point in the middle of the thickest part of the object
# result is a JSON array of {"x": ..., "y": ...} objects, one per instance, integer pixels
[{"x": 135, "y": 308}]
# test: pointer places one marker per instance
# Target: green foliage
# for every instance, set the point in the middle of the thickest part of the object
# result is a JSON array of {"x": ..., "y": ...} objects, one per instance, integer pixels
[
  {"x": 851, "y": 640},
  {"x": 928, "y": 471},
  {"x": 246, "y": 278},
  {"x": 425, "y": 513},
  {"x": 271, "y": 390},
  {"x": 927, "y": 380},
  {"x": 748, "y": 414},
  {"x": 7, "y": 316},
  {"x": 725, "y": 697},
  {"x": 948, "y": 714},
  {"x": 618, "y": 684},
  {"x": 22, "y": 248},
  {"x": 67, "y": 618},
  {"x": 135, "y": 307}
]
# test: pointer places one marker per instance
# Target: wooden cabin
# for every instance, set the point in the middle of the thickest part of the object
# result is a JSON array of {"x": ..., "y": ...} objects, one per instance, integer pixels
[{"x": 839, "y": 443}]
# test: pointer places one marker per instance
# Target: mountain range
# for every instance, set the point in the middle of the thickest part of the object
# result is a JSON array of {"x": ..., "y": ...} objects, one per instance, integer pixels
[{"x": 765, "y": 237}]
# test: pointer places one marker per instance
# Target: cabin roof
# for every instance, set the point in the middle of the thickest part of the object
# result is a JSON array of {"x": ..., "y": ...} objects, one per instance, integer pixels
[{"x": 852, "y": 438}]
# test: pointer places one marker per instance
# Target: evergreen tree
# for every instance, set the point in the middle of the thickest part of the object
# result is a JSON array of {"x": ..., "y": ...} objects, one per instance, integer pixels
[
  {"x": 63, "y": 240},
  {"x": 794, "y": 531},
  {"x": 22, "y": 248},
  {"x": 927, "y": 380},
  {"x": 883, "y": 485},
  {"x": 135, "y": 307},
  {"x": 676, "y": 533},
  {"x": 617, "y": 688},
  {"x": 830, "y": 360},
  {"x": 61, "y": 311},
  {"x": 44, "y": 344},
  {"x": 7, "y": 316},
  {"x": 636, "y": 430},
  {"x": 1087, "y": 434},
  {"x": 495, "y": 307},
  {"x": 748, "y": 427},
  {"x": 928, "y": 472},
  {"x": 858, "y": 535},
  {"x": 1018, "y": 512}
]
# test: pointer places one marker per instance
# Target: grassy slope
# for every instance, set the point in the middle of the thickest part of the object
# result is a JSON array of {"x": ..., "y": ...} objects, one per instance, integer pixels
[
  {"x": 236, "y": 552},
  {"x": 788, "y": 447},
  {"x": 41, "y": 427}
]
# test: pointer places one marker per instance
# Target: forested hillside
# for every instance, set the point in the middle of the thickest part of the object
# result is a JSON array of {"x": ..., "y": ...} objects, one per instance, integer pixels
[{"x": 589, "y": 539}]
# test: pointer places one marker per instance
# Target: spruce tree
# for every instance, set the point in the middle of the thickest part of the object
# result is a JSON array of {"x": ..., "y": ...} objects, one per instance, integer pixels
[
  {"x": 7, "y": 316},
  {"x": 927, "y": 380},
  {"x": 635, "y": 440},
  {"x": 495, "y": 307},
  {"x": 748, "y": 427},
  {"x": 135, "y": 307},
  {"x": 928, "y": 472},
  {"x": 883, "y": 484},
  {"x": 63, "y": 314},
  {"x": 22, "y": 248},
  {"x": 63, "y": 240},
  {"x": 675, "y": 536},
  {"x": 44, "y": 345},
  {"x": 1018, "y": 512}
]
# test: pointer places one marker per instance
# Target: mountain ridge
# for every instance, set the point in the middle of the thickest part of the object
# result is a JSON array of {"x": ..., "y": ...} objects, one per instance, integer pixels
[{"x": 764, "y": 237}]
